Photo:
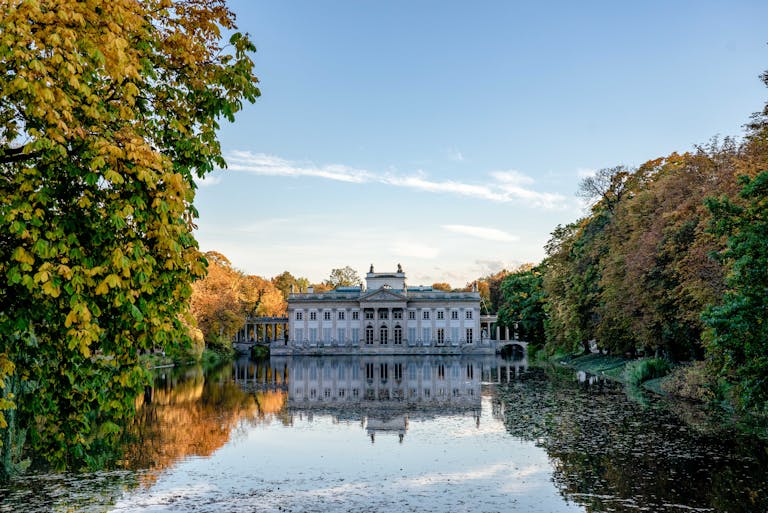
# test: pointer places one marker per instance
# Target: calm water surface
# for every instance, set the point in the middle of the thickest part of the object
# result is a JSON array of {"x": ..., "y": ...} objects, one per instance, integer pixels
[{"x": 422, "y": 434}]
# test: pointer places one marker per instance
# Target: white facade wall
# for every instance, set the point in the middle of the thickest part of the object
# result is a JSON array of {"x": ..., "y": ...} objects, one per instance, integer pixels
[{"x": 424, "y": 317}]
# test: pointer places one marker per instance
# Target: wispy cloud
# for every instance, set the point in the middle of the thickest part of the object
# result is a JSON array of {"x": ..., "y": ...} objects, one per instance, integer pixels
[
  {"x": 503, "y": 187},
  {"x": 481, "y": 232},
  {"x": 262, "y": 164}
]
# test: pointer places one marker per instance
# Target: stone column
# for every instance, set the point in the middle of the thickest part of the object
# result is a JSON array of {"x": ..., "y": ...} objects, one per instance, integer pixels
[{"x": 334, "y": 323}]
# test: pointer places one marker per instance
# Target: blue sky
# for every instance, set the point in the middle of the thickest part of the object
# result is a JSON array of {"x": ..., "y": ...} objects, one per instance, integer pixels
[{"x": 450, "y": 137}]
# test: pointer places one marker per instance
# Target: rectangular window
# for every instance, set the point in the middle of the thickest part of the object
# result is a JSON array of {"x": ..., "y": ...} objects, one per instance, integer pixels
[
  {"x": 355, "y": 335},
  {"x": 368, "y": 371},
  {"x": 383, "y": 314},
  {"x": 469, "y": 335},
  {"x": 440, "y": 315},
  {"x": 469, "y": 314},
  {"x": 369, "y": 314},
  {"x": 355, "y": 316},
  {"x": 454, "y": 314},
  {"x": 412, "y": 315},
  {"x": 327, "y": 316},
  {"x": 313, "y": 334},
  {"x": 455, "y": 334},
  {"x": 300, "y": 334},
  {"x": 312, "y": 316},
  {"x": 299, "y": 316},
  {"x": 426, "y": 334},
  {"x": 397, "y": 314},
  {"x": 341, "y": 335},
  {"x": 412, "y": 334},
  {"x": 341, "y": 315},
  {"x": 326, "y": 334},
  {"x": 398, "y": 371},
  {"x": 440, "y": 335},
  {"x": 425, "y": 315}
]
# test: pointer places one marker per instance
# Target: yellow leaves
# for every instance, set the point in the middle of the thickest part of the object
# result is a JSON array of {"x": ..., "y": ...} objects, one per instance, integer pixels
[
  {"x": 113, "y": 176},
  {"x": 51, "y": 289},
  {"x": 43, "y": 274},
  {"x": 21, "y": 255},
  {"x": 79, "y": 314},
  {"x": 110, "y": 282}
]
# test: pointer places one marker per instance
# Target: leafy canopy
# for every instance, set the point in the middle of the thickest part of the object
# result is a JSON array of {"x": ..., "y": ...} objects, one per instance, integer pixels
[{"x": 108, "y": 111}]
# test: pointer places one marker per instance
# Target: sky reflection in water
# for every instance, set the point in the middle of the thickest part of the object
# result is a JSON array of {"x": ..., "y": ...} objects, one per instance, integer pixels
[
  {"x": 427, "y": 434},
  {"x": 347, "y": 454}
]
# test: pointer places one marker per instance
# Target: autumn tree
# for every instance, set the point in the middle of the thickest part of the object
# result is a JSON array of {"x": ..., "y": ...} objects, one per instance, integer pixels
[
  {"x": 222, "y": 300},
  {"x": 261, "y": 298},
  {"x": 217, "y": 301},
  {"x": 108, "y": 113},
  {"x": 287, "y": 283},
  {"x": 445, "y": 287},
  {"x": 343, "y": 277}
]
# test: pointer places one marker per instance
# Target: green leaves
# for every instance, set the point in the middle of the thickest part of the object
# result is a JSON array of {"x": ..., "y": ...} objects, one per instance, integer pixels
[
  {"x": 119, "y": 108},
  {"x": 737, "y": 335}
]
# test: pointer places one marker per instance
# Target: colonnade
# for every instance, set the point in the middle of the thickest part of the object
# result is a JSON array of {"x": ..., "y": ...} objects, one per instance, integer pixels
[
  {"x": 490, "y": 329},
  {"x": 247, "y": 372},
  {"x": 263, "y": 329}
]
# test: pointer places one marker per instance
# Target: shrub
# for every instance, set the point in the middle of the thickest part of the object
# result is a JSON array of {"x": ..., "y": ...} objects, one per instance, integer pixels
[
  {"x": 692, "y": 381},
  {"x": 638, "y": 371}
]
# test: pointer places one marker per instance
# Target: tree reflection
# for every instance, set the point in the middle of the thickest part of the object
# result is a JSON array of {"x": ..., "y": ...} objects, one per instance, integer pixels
[
  {"x": 188, "y": 413},
  {"x": 613, "y": 454}
]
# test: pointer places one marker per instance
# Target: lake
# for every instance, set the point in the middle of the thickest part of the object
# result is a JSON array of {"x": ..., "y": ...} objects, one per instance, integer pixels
[{"x": 419, "y": 433}]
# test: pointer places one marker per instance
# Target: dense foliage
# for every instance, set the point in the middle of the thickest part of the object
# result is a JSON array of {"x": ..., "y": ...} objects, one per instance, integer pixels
[
  {"x": 670, "y": 261},
  {"x": 108, "y": 111},
  {"x": 226, "y": 296}
]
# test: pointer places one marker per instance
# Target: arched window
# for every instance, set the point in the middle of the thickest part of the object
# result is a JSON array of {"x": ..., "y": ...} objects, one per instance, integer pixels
[
  {"x": 398, "y": 335},
  {"x": 383, "y": 335},
  {"x": 369, "y": 335}
]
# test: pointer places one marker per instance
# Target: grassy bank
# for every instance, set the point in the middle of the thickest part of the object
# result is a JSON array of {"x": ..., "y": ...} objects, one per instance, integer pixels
[
  {"x": 611, "y": 367},
  {"x": 648, "y": 372}
]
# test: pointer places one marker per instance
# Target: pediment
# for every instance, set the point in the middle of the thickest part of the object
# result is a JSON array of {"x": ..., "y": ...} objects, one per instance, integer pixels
[{"x": 383, "y": 295}]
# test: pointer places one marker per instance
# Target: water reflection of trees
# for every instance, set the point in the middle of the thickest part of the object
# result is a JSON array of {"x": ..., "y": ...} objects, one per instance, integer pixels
[
  {"x": 188, "y": 413},
  {"x": 613, "y": 454}
]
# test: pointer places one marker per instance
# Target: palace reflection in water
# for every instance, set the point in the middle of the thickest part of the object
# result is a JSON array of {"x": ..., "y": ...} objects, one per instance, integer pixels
[{"x": 382, "y": 393}]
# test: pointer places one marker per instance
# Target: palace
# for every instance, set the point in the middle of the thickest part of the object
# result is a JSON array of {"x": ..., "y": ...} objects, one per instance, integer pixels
[{"x": 386, "y": 316}]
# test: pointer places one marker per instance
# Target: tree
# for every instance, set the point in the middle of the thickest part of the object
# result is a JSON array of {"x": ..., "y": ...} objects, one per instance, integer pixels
[
  {"x": 606, "y": 187},
  {"x": 522, "y": 303},
  {"x": 217, "y": 301},
  {"x": 445, "y": 287},
  {"x": 108, "y": 112},
  {"x": 343, "y": 277},
  {"x": 287, "y": 283},
  {"x": 737, "y": 336}
]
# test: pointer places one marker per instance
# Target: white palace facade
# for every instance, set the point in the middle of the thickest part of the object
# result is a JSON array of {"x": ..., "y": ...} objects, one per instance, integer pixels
[{"x": 386, "y": 316}]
